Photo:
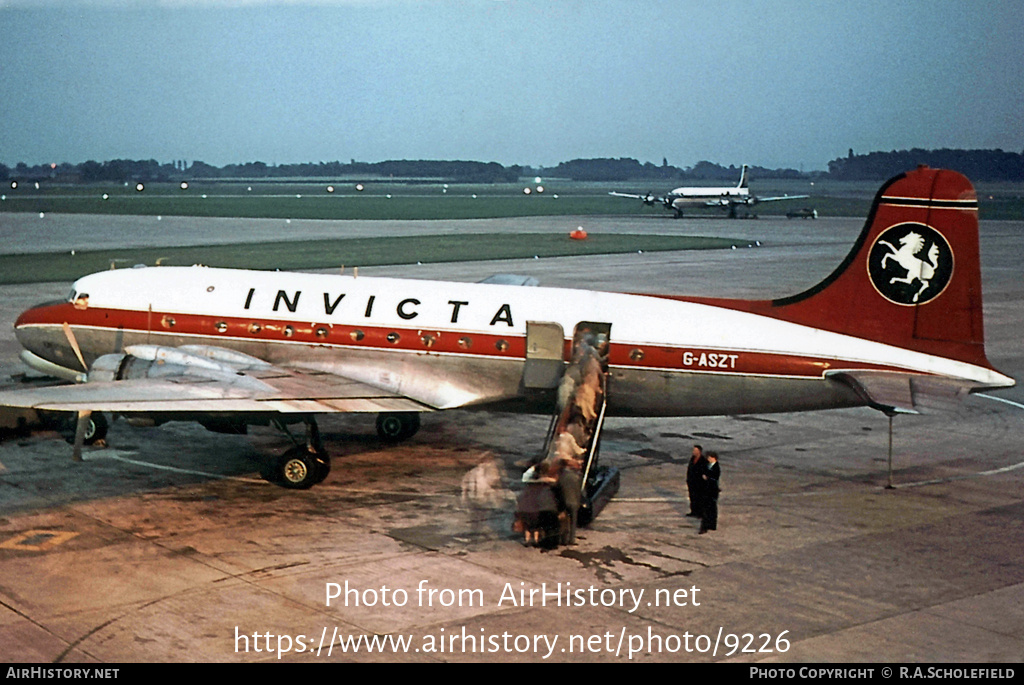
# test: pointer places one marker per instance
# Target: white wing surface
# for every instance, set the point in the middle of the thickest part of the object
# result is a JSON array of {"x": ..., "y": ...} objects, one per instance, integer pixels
[{"x": 209, "y": 379}]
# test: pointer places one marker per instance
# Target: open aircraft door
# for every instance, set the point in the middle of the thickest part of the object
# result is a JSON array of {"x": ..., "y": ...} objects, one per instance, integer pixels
[{"x": 545, "y": 349}]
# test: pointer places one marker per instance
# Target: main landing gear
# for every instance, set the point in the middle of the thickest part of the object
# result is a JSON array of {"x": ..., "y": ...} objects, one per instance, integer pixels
[
  {"x": 300, "y": 469},
  {"x": 96, "y": 427},
  {"x": 395, "y": 427},
  {"x": 307, "y": 463},
  {"x": 303, "y": 465}
]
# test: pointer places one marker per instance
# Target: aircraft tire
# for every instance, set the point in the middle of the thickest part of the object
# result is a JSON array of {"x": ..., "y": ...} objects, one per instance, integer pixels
[
  {"x": 297, "y": 469},
  {"x": 394, "y": 427},
  {"x": 97, "y": 429},
  {"x": 94, "y": 432}
]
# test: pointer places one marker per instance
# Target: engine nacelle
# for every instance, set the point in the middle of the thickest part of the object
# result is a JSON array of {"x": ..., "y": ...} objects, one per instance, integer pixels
[
  {"x": 139, "y": 362},
  {"x": 126, "y": 367},
  {"x": 153, "y": 361}
]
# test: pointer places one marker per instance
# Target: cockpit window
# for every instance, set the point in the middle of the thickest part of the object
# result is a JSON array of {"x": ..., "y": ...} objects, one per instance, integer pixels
[{"x": 81, "y": 301}]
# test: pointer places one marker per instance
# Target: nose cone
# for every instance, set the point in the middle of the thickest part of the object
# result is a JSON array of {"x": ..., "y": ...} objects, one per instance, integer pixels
[
  {"x": 39, "y": 329},
  {"x": 42, "y": 313}
]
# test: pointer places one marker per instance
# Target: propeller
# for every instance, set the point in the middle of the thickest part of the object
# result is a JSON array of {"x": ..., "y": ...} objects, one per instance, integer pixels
[
  {"x": 85, "y": 415},
  {"x": 81, "y": 426},
  {"x": 70, "y": 335}
]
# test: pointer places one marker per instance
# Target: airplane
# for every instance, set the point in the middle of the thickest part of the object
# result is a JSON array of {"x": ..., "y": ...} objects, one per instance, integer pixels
[
  {"x": 727, "y": 197},
  {"x": 892, "y": 327}
]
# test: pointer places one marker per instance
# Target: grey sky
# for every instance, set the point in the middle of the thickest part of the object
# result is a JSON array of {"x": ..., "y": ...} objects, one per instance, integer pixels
[{"x": 782, "y": 83}]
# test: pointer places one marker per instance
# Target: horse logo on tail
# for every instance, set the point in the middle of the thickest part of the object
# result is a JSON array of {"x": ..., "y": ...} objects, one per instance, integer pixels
[{"x": 902, "y": 274}]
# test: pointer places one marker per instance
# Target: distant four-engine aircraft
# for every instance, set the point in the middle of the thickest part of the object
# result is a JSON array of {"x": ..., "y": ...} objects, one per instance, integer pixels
[
  {"x": 893, "y": 324},
  {"x": 728, "y": 198}
]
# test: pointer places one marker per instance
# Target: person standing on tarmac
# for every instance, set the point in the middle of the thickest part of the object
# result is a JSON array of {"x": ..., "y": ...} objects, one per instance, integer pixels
[
  {"x": 711, "y": 476},
  {"x": 694, "y": 471},
  {"x": 483, "y": 492}
]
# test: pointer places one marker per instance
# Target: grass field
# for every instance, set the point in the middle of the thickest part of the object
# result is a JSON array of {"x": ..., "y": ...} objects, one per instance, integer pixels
[
  {"x": 327, "y": 254},
  {"x": 305, "y": 206},
  {"x": 380, "y": 200},
  {"x": 386, "y": 200}
]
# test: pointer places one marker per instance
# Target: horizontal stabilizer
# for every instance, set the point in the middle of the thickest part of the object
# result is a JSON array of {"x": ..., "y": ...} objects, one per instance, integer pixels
[{"x": 905, "y": 392}]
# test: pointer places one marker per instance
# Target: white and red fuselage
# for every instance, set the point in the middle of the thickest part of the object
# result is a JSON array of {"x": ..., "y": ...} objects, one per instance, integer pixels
[{"x": 449, "y": 344}]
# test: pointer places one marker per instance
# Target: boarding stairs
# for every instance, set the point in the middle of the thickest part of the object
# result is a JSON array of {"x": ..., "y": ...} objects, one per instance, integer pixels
[{"x": 580, "y": 413}]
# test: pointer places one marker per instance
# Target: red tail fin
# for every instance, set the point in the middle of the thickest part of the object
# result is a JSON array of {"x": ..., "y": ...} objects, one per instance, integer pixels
[{"x": 913, "y": 278}]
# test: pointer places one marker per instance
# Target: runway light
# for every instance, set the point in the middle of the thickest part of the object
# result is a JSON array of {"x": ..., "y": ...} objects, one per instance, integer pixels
[
  {"x": 139, "y": 187},
  {"x": 41, "y": 215},
  {"x": 359, "y": 187},
  {"x": 388, "y": 196},
  {"x": 248, "y": 189},
  {"x": 14, "y": 184},
  {"x": 540, "y": 189},
  {"x": 330, "y": 189},
  {"x": 536, "y": 179},
  {"x": 298, "y": 197},
  {"x": 37, "y": 185},
  {"x": 526, "y": 191},
  {"x": 184, "y": 185},
  {"x": 105, "y": 196}
]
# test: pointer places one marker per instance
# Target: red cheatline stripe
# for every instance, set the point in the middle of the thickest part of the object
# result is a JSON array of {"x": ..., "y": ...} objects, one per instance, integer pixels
[{"x": 652, "y": 357}]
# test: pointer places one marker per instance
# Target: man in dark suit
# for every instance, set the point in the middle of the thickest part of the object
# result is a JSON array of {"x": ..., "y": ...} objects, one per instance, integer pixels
[
  {"x": 694, "y": 471},
  {"x": 710, "y": 478}
]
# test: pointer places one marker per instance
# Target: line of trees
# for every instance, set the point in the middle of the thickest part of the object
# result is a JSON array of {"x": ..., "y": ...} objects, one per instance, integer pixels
[
  {"x": 624, "y": 168},
  {"x": 978, "y": 165},
  {"x": 121, "y": 170}
]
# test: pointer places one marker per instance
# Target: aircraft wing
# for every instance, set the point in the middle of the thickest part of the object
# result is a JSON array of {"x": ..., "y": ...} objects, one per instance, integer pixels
[
  {"x": 782, "y": 197},
  {"x": 648, "y": 199},
  {"x": 511, "y": 279},
  {"x": 194, "y": 379}
]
